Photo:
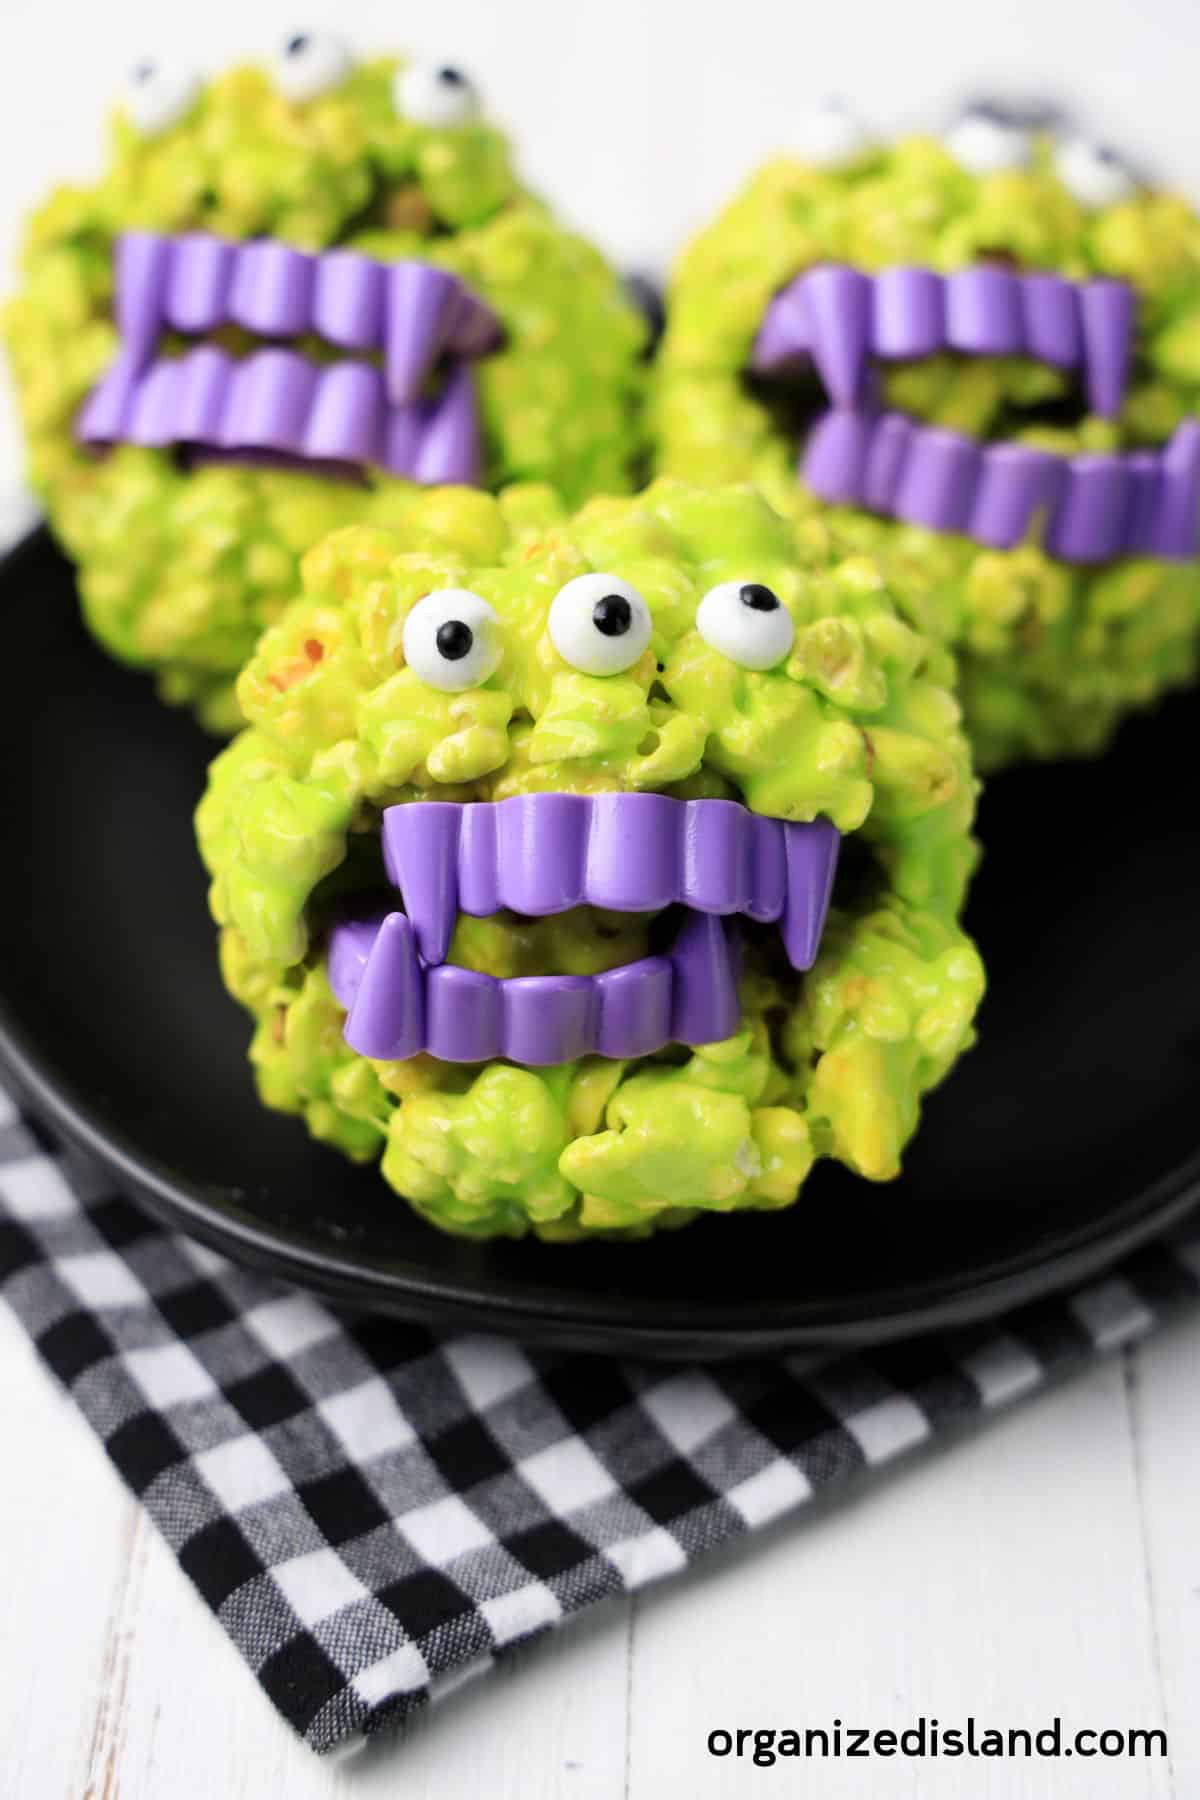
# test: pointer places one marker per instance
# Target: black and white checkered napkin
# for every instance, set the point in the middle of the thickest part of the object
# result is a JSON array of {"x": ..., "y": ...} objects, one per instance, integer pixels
[{"x": 374, "y": 1513}]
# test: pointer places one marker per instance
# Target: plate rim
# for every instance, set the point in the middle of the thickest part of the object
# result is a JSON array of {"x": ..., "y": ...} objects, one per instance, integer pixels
[
  {"x": 585, "y": 1319},
  {"x": 595, "y": 1323}
]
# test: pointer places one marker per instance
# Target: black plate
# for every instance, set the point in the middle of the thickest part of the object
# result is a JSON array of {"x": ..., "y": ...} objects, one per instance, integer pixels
[{"x": 1067, "y": 1136}]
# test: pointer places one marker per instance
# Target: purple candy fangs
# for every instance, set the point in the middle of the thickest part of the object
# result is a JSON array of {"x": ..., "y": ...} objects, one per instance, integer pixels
[
  {"x": 415, "y": 415},
  {"x": 1085, "y": 509},
  {"x": 546, "y": 853}
]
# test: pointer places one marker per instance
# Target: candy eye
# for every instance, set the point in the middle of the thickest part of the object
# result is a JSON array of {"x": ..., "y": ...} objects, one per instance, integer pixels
[
  {"x": 309, "y": 64},
  {"x": 746, "y": 622},
  {"x": 158, "y": 94},
  {"x": 432, "y": 94},
  {"x": 831, "y": 133},
  {"x": 452, "y": 639},
  {"x": 985, "y": 144},
  {"x": 1095, "y": 175},
  {"x": 599, "y": 624}
]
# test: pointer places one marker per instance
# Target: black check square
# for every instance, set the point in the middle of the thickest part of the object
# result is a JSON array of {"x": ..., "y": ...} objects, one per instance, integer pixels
[
  {"x": 397, "y": 1510},
  {"x": 550, "y": 1549},
  {"x": 144, "y": 1448},
  {"x": 194, "y": 1309},
  {"x": 467, "y": 1454},
  {"x": 343, "y": 1506},
  {"x": 219, "y": 1560},
  {"x": 267, "y": 1397},
  {"x": 424, "y": 1601}
]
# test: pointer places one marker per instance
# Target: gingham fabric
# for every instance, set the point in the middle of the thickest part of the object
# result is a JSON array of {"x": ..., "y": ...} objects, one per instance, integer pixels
[{"x": 375, "y": 1514}]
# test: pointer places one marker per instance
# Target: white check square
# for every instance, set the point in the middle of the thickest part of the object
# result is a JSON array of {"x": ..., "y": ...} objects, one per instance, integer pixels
[
  {"x": 487, "y": 1369},
  {"x": 1111, "y": 1313},
  {"x": 101, "y": 1280},
  {"x": 366, "y": 1420},
  {"x": 515, "y": 1615},
  {"x": 242, "y": 1472},
  {"x": 291, "y": 1324},
  {"x": 647, "y": 1557},
  {"x": 33, "y": 1188},
  {"x": 169, "y": 1375},
  {"x": 443, "y": 1530},
  {"x": 890, "y": 1426},
  {"x": 317, "y": 1585},
  {"x": 688, "y": 1409},
  {"x": 566, "y": 1476},
  {"x": 769, "y": 1493},
  {"x": 402, "y": 1671},
  {"x": 1002, "y": 1369}
]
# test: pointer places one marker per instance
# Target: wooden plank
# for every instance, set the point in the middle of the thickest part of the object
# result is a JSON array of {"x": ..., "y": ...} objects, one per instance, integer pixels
[
  {"x": 67, "y": 1529},
  {"x": 550, "y": 1725},
  {"x": 1165, "y": 1400},
  {"x": 1003, "y": 1579},
  {"x": 119, "y": 1682},
  {"x": 194, "y": 1722}
]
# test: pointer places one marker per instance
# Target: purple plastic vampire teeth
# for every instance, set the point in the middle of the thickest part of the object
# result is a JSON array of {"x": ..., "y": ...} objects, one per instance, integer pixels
[
  {"x": 411, "y": 411},
  {"x": 538, "y": 854},
  {"x": 840, "y": 318},
  {"x": 1087, "y": 508}
]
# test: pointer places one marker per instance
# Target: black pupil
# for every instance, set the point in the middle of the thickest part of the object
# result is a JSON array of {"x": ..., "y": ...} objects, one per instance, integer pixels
[
  {"x": 452, "y": 77},
  {"x": 297, "y": 46},
  {"x": 454, "y": 639},
  {"x": 613, "y": 615},
  {"x": 758, "y": 598}
]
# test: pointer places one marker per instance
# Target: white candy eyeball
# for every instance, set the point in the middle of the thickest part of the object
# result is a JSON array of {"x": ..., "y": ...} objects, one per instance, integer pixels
[
  {"x": 599, "y": 624},
  {"x": 1093, "y": 173},
  {"x": 831, "y": 133},
  {"x": 158, "y": 94},
  {"x": 746, "y": 622},
  {"x": 452, "y": 639},
  {"x": 433, "y": 94},
  {"x": 984, "y": 144},
  {"x": 309, "y": 64}
]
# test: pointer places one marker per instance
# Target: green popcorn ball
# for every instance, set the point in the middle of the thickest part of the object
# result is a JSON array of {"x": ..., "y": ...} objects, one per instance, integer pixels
[
  {"x": 183, "y": 559},
  {"x": 1053, "y": 652},
  {"x": 849, "y": 716}
]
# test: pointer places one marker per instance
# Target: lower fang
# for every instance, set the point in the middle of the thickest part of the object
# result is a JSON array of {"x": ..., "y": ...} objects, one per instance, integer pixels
[
  {"x": 704, "y": 1004},
  {"x": 386, "y": 1020}
]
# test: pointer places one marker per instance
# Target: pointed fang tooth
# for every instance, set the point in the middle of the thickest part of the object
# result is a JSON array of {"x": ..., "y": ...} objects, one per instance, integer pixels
[
  {"x": 704, "y": 999},
  {"x": 418, "y": 308},
  {"x": 839, "y": 318},
  {"x": 1107, "y": 309},
  {"x": 783, "y": 334},
  {"x": 812, "y": 854},
  {"x": 420, "y": 852},
  {"x": 1175, "y": 529},
  {"x": 448, "y": 452},
  {"x": 387, "y": 1017},
  {"x": 350, "y": 942},
  {"x": 102, "y": 418}
]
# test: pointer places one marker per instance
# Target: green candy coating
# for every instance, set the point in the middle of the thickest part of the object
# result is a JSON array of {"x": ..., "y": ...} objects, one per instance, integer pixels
[
  {"x": 859, "y": 725},
  {"x": 180, "y": 571},
  {"x": 1052, "y": 655}
]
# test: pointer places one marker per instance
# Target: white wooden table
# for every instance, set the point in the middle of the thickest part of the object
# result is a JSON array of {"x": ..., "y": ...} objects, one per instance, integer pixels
[{"x": 1050, "y": 1565}]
